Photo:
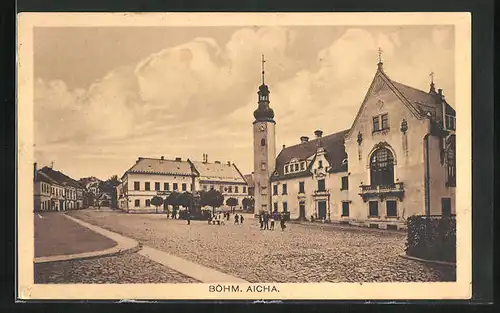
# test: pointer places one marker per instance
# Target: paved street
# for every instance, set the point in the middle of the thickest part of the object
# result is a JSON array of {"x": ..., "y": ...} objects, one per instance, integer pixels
[
  {"x": 129, "y": 268},
  {"x": 57, "y": 235},
  {"x": 300, "y": 254}
]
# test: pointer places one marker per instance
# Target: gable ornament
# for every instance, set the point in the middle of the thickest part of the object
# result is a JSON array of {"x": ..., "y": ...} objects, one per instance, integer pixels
[
  {"x": 360, "y": 138},
  {"x": 404, "y": 126}
]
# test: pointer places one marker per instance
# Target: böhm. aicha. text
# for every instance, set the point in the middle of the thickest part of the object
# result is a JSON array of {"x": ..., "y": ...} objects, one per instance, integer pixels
[{"x": 236, "y": 288}]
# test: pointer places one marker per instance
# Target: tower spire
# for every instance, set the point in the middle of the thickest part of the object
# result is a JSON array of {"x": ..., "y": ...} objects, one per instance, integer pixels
[{"x": 263, "y": 72}]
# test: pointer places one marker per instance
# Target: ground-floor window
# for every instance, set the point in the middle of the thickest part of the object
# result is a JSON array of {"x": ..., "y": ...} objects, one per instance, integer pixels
[
  {"x": 373, "y": 208},
  {"x": 275, "y": 206},
  {"x": 322, "y": 209},
  {"x": 285, "y": 207},
  {"x": 137, "y": 203},
  {"x": 302, "y": 210},
  {"x": 392, "y": 209},
  {"x": 148, "y": 203},
  {"x": 345, "y": 208},
  {"x": 446, "y": 206}
]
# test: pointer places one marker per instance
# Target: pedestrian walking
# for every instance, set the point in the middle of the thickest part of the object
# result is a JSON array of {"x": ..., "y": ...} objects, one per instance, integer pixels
[
  {"x": 236, "y": 219},
  {"x": 282, "y": 223},
  {"x": 241, "y": 219},
  {"x": 261, "y": 221},
  {"x": 188, "y": 217},
  {"x": 266, "y": 221}
]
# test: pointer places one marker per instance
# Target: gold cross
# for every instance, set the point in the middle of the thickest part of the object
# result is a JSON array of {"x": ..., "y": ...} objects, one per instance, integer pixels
[
  {"x": 432, "y": 76},
  {"x": 379, "y": 55}
]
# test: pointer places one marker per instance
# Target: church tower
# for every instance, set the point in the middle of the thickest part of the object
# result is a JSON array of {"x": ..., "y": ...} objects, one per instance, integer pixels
[{"x": 264, "y": 148}]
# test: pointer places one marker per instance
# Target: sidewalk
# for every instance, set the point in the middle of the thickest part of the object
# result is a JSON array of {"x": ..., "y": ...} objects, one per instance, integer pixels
[{"x": 56, "y": 235}]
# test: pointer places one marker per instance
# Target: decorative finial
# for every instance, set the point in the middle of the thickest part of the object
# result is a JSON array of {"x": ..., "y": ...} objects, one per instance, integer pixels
[
  {"x": 380, "y": 55},
  {"x": 431, "y": 74},
  {"x": 263, "y": 61}
]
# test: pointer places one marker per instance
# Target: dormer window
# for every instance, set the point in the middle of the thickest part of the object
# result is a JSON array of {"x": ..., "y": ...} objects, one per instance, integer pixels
[
  {"x": 296, "y": 167},
  {"x": 286, "y": 169},
  {"x": 302, "y": 166},
  {"x": 450, "y": 122}
]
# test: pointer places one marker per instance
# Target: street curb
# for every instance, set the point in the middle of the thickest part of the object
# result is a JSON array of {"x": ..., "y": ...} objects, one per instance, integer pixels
[
  {"x": 354, "y": 228},
  {"x": 449, "y": 264},
  {"x": 124, "y": 245}
]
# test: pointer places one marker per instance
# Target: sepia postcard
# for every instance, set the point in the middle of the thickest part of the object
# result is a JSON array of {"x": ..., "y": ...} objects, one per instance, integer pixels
[{"x": 252, "y": 156}]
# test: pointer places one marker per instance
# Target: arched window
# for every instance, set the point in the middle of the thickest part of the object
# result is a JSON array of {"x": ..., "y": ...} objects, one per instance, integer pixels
[
  {"x": 263, "y": 142},
  {"x": 451, "y": 161},
  {"x": 382, "y": 167}
]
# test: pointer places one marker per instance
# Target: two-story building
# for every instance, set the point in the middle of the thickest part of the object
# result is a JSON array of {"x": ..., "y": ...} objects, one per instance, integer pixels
[
  {"x": 396, "y": 160},
  {"x": 226, "y": 178},
  {"x": 150, "y": 177},
  {"x": 65, "y": 192}
]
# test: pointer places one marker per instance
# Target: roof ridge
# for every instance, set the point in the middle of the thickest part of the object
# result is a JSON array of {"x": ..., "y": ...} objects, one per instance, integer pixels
[{"x": 315, "y": 139}]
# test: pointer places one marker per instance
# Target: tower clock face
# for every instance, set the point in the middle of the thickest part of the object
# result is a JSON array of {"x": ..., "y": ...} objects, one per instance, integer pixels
[{"x": 262, "y": 127}]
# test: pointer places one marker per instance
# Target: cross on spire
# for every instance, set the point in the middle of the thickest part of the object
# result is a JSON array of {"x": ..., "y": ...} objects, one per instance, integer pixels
[
  {"x": 431, "y": 74},
  {"x": 263, "y": 61},
  {"x": 380, "y": 55}
]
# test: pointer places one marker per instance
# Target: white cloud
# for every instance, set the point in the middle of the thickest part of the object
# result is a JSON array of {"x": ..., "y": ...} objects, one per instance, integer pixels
[{"x": 199, "y": 97}]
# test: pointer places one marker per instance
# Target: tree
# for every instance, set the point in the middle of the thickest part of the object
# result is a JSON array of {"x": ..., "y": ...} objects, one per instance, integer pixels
[
  {"x": 232, "y": 202},
  {"x": 245, "y": 202},
  {"x": 157, "y": 201},
  {"x": 185, "y": 199},
  {"x": 173, "y": 200},
  {"x": 212, "y": 198},
  {"x": 109, "y": 186}
]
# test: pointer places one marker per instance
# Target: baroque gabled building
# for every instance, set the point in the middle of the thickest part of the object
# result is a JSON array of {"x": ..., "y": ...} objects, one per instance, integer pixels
[{"x": 396, "y": 160}]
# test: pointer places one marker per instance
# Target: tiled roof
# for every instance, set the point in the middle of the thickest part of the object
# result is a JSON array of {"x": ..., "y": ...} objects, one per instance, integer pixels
[
  {"x": 218, "y": 172},
  {"x": 60, "y": 178},
  {"x": 41, "y": 176},
  {"x": 333, "y": 145},
  {"x": 161, "y": 167},
  {"x": 421, "y": 99}
]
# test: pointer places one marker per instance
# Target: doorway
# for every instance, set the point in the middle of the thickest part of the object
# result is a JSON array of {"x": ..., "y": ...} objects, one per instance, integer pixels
[
  {"x": 302, "y": 211},
  {"x": 322, "y": 209}
]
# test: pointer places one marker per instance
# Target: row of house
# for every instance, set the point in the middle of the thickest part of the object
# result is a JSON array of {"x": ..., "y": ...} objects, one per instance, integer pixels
[
  {"x": 150, "y": 177},
  {"x": 55, "y": 191},
  {"x": 396, "y": 160}
]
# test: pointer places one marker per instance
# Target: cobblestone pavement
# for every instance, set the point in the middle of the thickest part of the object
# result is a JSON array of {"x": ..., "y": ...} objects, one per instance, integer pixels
[
  {"x": 56, "y": 234},
  {"x": 299, "y": 254},
  {"x": 129, "y": 268}
]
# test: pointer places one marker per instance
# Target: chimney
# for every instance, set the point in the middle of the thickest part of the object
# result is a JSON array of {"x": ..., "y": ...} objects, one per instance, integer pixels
[
  {"x": 318, "y": 133},
  {"x": 229, "y": 163},
  {"x": 284, "y": 147},
  {"x": 178, "y": 159},
  {"x": 217, "y": 162},
  {"x": 35, "y": 172},
  {"x": 162, "y": 157},
  {"x": 304, "y": 139}
]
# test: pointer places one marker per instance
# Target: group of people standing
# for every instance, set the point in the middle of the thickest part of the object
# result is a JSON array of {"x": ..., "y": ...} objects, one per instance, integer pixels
[
  {"x": 221, "y": 218},
  {"x": 275, "y": 217}
]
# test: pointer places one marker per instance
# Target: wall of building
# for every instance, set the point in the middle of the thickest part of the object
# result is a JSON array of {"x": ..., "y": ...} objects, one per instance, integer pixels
[
  {"x": 228, "y": 189},
  {"x": 267, "y": 155},
  {"x": 408, "y": 154},
  {"x": 438, "y": 179}
]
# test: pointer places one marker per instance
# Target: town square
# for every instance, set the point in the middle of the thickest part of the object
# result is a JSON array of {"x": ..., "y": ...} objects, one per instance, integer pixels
[{"x": 256, "y": 155}]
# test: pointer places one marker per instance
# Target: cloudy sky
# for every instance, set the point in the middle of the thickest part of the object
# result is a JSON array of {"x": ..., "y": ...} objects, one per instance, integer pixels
[{"x": 106, "y": 95}]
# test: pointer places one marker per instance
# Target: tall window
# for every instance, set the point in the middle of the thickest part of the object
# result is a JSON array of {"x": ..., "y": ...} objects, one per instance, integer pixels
[
  {"x": 184, "y": 187},
  {"x": 191, "y": 187},
  {"x": 148, "y": 203},
  {"x": 446, "y": 206},
  {"x": 157, "y": 186},
  {"x": 376, "y": 124},
  {"x": 230, "y": 189},
  {"x": 147, "y": 186},
  {"x": 321, "y": 185},
  {"x": 236, "y": 189},
  {"x": 302, "y": 166},
  {"x": 385, "y": 121},
  {"x": 284, "y": 189},
  {"x": 286, "y": 169},
  {"x": 166, "y": 186},
  {"x": 275, "y": 206},
  {"x": 176, "y": 186},
  {"x": 320, "y": 164},
  {"x": 285, "y": 207},
  {"x": 450, "y": 122},
  {"x": 373, "y": 207},
  {"x": 275, "y": 190},
  {"x": 392, "y": 208},
  {"x": 137, "y": 203},
  {"x": 301, "y": 187},
  {"x": 137, "y": 185},
  {"x": 451, "y": 161},
  {"x": 382, "y": 168},
  {"x": 296, "y": 167},
  {"x": 244, "y": 189},
  {"x": 345, "y": 208},
  {"x": 345, "y": 183}
]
